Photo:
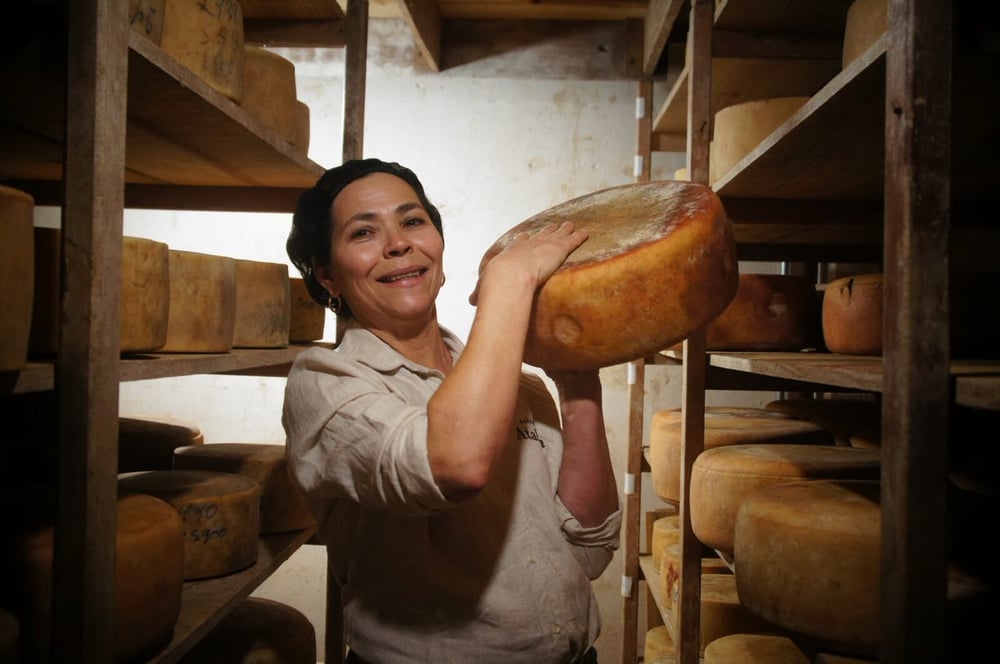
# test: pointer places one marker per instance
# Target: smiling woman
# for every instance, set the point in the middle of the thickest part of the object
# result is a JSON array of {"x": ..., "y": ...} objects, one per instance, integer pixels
[{"x": 423, "y": 459}]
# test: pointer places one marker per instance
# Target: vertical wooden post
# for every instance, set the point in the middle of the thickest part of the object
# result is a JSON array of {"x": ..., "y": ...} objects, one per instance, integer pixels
[{"x": 355, "y": 79}]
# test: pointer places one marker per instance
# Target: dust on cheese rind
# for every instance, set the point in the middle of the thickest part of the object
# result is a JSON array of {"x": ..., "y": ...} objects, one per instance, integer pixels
[
  {"x": 220, "y": 511},
  {"x": 262, "y": 305},
  {"x": 202, "y": 303},
  {"x": 269, "y": 91},
  {"x": 207, "y": 38},
  {"x": 145, "y": 294}
]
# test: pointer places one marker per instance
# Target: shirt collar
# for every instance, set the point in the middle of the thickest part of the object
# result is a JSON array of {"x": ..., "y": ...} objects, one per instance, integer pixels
[{"x": 364, "y": 346}]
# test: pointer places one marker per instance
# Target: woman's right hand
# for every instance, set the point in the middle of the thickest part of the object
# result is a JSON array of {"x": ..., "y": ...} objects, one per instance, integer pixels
[{"x": 537, "y": 255}]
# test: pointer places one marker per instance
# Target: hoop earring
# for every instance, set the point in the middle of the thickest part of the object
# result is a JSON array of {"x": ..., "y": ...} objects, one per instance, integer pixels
[{"x": 334, "y": 304}]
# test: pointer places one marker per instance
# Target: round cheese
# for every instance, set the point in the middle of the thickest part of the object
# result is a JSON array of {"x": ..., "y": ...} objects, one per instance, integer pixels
[
  {"x": 722, "y": 478},
  {"x": 816, "y": 576},
  {"x": 659, "y": 263},
  {"x": 46, "y": 298},
  {"x": 149, "y": 559},
  {"x": 148, "y": 444},
  {"x": 205, "y": 37},
  {"x": 146, "y": 18},
  {"x": 670, "y": 571},
  {"x": 269, "y": 93},
  {"x": 867, "y": 20},
  {"x": 263, "y": 305},
  {"x": 769, "y": 312},
  {"x": 658, "y": 647},
  {"x": 145, "y": 295},
  {"x": 740, "y": 128},
  {"x": 282, "y": 506},
  {"x": 258, "y": 631},
  {"x": 308, "y": 319},
  {"x": 852, "y": 315},
  {"x": 17, "y": 254},
  {"x": 724, "y": 425},
  {"x": 842, "y": 417},
  {"x": 300, "y": 127},
  {"x": 202, "y": 303},
  {"x": 754, "y": 649},
  {"x": 220, "y": 511},
  {"x": 666, "y": 530}
]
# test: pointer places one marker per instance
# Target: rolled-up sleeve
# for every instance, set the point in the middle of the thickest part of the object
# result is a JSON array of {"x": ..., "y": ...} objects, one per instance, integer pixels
[{"x": 592, "y": 546}]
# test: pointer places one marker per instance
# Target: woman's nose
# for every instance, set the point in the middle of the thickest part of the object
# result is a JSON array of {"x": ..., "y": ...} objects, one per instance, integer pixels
[{"x": 397, "y": 244}]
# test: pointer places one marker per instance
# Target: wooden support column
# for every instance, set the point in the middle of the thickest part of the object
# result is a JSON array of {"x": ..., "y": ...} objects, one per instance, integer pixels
[
  {"x": 87, "y": 372},
  {"x": 355, "y": 72}
]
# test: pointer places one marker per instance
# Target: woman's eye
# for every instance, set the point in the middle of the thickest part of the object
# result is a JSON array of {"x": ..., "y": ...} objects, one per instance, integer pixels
[
  {"x": 414, "y": 221},
  {"x": 360, "y": 233}
]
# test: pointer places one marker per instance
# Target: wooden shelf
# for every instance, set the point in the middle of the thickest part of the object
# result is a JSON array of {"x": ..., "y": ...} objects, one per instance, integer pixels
[
  {"x": 652, "y": 577},
  {"x": 204, "y": 603},
  {"x": 39, "y": 376}
]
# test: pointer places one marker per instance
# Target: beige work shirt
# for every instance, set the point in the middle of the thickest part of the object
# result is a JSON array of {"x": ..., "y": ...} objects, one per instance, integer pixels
[{"x": 503, "y": 577}]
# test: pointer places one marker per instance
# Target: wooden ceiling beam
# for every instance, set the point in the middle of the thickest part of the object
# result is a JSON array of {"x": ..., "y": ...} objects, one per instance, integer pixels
[{"x": 424, "y": 19}]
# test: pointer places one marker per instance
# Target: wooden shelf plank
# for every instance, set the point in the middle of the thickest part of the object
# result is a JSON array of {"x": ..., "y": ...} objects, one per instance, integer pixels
[
  {"x": 824, "y": 17},
  {"x": 39, "y": 376},
  {"x": 204, "y": 603}
]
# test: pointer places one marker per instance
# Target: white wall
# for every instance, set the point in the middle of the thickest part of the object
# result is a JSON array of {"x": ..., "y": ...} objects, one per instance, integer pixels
[{"x": 490, "y": 152}]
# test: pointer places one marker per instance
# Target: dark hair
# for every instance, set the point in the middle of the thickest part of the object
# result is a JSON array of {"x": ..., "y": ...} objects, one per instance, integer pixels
[{"x": 312, "y": 223}]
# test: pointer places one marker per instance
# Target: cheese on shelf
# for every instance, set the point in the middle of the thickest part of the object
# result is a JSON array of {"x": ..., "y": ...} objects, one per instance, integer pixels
[
  {"x": 807, "y": 555},
  {"x": 220, "y": 511},
  {"x": 852, "y": 315},
  {"x": 17, "y": 210},
  {"x": 146, "y": 443},
  {"x": 867, "y": 20},
  {"x": 843, "y": 417},
  {"x": 659, "y": 263},
  {"x": 740, "y": 128},
  {"x": 308, "y": 319},
  {"x": 754, "y": 649},
  {"x": 658, "y": 647},
  {"x": 269, "y": 93},
  {"x": 666, "y": 530},
  {"x": 263, "y": 305},
  {"x": 258, "y": 631},
  {"x": 282, "y": 505},
  {"x": 202, "y": 303},
  {"x": 723, "y": 477},
  {"x": 724, "y": 425}
]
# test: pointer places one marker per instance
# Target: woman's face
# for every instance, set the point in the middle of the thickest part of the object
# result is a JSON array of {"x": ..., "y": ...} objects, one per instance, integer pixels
[{"x": 385, "y": 253}]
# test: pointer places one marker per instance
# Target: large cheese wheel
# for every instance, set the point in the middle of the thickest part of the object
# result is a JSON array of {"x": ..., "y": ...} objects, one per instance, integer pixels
[
  {"x": 205, "y": 37},
  {"x": 867, "y": 20},
  {"x": 202, "y": 303},
  {"x": 723, "y": 477},
  {"x": 754, "y": 649},
  {"x": 146, "y": 18},
  {"x": 263, "y": 305},
  {"x": 659, "y": 263},
  {"x": 670, "y": 572},
  {"x": 220, "y": 511},
  {"x": 145, "y": 294},
  {"x": 807, "y": 555},
  {"x": 852, "y": 315},
  {"x": 769, "y": 312},
  {"x": 843, "y": 417},
  {"x": 258, "y": 631},
  {"x": 307, "y": 318},
  {"x": 658, "y": 647},
  {"x": 17, "y": 211},
  {"x": 149, "y": 560},
  {"x": 666, "y": 530},
  {"x": 46, "y": 298},
  {"x": 269, "y": 93},
  {"x": 282, "y": 504},
  {"x": 724, "y": 425},
  {"x": 740, "y": 128},
  {"x": 146, "y": 443}
]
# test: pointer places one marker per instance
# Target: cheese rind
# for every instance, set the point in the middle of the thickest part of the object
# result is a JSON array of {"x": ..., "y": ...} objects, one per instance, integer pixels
[
  {"x": 17, "y": 255},
  {"x": 308, "y": 319},
  {"x": 808, "y": 559},
  {"x": 220, "y": 511},
  {"x": 867, "y": 20},
  {"x": 145, "y": 295},
  {"x": 202, "y": 303},
  {"x": 658, "y": 647},
  {"x": 740, "y": 128},
  {"x": 659, "y": 262},
  {"x": 262, "y": 306},
  {"x": 282, "y": 506},
  {"x": 754, "y": 649},
  {"x": 146, "y": 443},
  {"x": 852, "y": 315},
  {"x": 723, "y": 477},
  {"x": 207, "y": 38},
  {"x": 269, "y": 92},
  {"x": 258, "y": 631}
]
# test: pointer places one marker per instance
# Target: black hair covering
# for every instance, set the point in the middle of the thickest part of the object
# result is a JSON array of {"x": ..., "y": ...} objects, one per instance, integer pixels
[{"x": 312, "y": 223}]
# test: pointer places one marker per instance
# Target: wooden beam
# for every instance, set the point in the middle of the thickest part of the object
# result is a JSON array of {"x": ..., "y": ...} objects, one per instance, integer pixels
[
  {"x": 355, "y": 79},
  {"x": 294, "y": 33},
  {"x": 661, "y": 15},
  {"x": 424, "y": 20}
]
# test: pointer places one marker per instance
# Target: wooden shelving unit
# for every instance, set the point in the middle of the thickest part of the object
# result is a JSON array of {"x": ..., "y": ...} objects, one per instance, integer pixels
[
  {"x": 870, "y": 171},
  {"x": 141, "y": 131}
]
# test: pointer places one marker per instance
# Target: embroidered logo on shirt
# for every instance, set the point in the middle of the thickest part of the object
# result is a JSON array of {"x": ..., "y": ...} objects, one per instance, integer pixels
[{"x": 526, "y": 431}]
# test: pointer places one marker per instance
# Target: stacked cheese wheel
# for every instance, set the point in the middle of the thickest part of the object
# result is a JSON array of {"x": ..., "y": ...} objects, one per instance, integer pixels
[
  {"x": 723, "y": 477},
  {"x": 220, "y": 514},
  {"x": 262, "y": 305},
  {"x": 282, "y": 506},
  {"x": 852, "y": 315},
  {"x": 202, "y": 303},
  {"x": 659, "y": 263},
  {"x": 724, "y": 425},
  {"x": 16, "y": 260},
  {"x": 146, "y": 443},
  {"x": 740, "y": 128},
  {"x": 258, "y": 631}
]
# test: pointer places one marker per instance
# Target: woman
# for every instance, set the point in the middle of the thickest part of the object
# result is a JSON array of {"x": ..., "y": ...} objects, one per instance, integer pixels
[{"x": 462, "y": 523}]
